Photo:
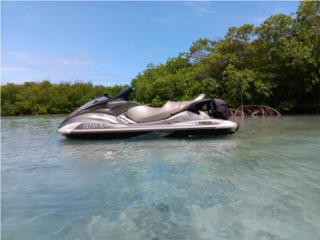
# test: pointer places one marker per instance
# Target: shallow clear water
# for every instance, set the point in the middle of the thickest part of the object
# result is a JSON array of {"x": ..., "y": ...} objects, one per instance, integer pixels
[{"x": 261, "y": 183}]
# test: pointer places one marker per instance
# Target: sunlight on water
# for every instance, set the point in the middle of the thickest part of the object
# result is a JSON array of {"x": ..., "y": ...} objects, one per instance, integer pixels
[{"x": 261, "y": 183}]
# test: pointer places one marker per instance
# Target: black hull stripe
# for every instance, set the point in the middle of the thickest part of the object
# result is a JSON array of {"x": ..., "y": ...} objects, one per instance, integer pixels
[{"x": 121, "y": 135}]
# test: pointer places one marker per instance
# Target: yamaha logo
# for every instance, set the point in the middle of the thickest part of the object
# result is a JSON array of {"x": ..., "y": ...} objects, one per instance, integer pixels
[{"x": 92, "y": 125}]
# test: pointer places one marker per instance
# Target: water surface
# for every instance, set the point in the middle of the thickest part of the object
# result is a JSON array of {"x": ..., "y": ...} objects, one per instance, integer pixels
[{"x": 261, "y": 183}]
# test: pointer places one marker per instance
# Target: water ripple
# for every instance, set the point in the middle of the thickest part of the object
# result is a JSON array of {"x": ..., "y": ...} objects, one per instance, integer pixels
[{"x": 261, "y": 183}]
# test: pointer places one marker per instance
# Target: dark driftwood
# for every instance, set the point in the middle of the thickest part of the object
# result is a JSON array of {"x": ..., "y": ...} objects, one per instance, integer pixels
[{"x": 254, "y": 110}]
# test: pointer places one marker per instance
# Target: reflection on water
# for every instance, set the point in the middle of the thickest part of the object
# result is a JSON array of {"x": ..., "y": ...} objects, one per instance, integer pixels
[{"x": 261, "y": 183}]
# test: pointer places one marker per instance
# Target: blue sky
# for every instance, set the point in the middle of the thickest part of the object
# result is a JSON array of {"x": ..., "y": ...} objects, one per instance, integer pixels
[{"x": 111, "y": 42}]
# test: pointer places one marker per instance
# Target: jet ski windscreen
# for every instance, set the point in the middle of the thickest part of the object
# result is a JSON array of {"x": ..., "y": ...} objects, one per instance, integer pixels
[
  {"x": 101, "y": 101},
  {"x": 125, "y": 94}
]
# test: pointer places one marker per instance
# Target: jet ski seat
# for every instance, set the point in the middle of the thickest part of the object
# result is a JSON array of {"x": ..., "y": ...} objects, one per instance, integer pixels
[{"x": 142, "y": 114}]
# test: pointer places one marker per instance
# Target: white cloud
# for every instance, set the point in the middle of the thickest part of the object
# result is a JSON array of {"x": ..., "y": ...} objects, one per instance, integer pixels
[
  {"x": 74, "y": 62},
  {"x": 19, "y": 67},
  {"x": 6, "y": 68},
  {"x": 202, "y": 7},
  {"x": 20, "y": 56},
  {"x": 78, "y": 61},
  {"x": 193, "y": 9}
]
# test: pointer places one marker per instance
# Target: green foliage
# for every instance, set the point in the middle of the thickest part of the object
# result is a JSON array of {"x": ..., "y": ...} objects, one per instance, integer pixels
[
  {"x": 276, "y": 63},
  {"x": 47, "y": 98}
]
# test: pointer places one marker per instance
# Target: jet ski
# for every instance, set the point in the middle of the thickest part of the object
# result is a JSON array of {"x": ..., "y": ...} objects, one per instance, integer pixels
[{"x": 118, "y": 117}]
